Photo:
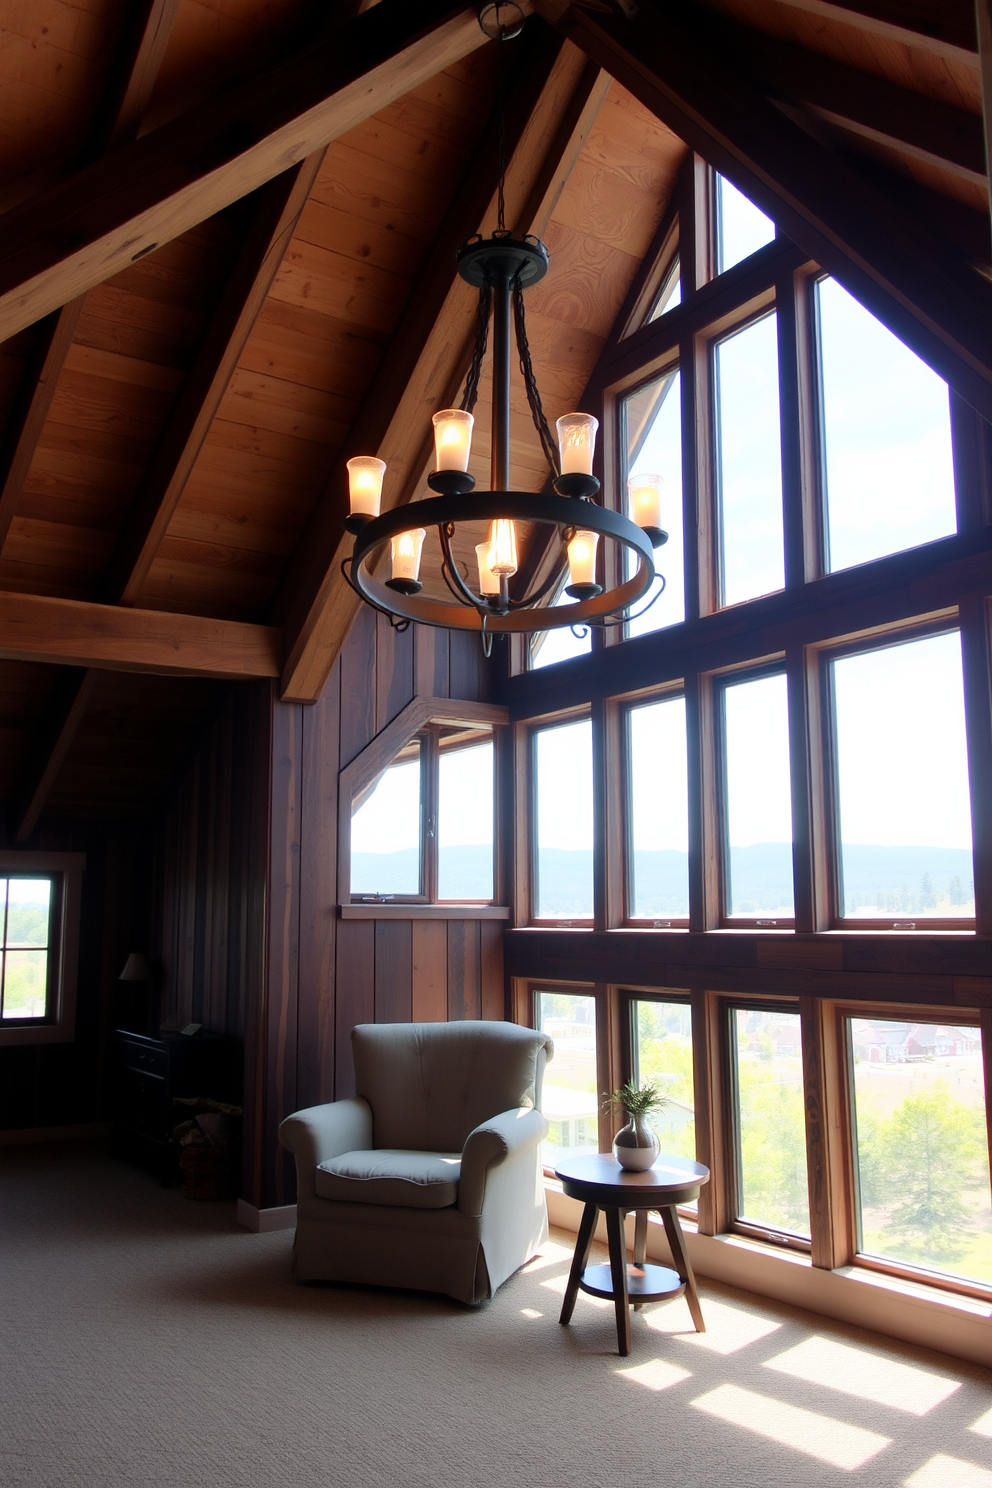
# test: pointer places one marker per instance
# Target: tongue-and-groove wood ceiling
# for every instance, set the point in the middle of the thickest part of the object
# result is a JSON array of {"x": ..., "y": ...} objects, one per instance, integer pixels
[{"x": 226, "y": 264}]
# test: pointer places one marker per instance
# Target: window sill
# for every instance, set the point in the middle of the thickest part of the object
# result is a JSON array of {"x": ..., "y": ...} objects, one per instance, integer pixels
[{"x": 424, "y": 911}]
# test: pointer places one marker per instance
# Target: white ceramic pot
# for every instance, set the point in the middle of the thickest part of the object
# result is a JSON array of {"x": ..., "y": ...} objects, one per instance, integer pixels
[{"x": 635, "y": 1145}]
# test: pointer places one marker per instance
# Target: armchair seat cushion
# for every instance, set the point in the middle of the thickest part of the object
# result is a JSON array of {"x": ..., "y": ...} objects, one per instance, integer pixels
[{"x": 392, "y": 1176}]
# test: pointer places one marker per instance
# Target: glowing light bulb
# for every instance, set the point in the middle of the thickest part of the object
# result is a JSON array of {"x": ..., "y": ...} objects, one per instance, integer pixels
[
  {"x": 503, "y": 548},
  {"x": 582, "y": 557},
  {"x": 644, "y": 497},
  {"x": 365, "y": 474},
  {"x": 405, "y": 550},
  {"x": 452, "y": 439}
]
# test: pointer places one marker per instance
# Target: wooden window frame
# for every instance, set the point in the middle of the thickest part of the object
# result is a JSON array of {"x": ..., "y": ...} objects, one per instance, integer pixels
[
  {"x": 620, "y": 809},
  {"x": 59, "y": 1023}
]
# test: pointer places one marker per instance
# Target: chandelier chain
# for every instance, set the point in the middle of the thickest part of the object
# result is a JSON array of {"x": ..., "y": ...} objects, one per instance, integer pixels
[
  {"x": 530, "y": 381},
  {"x": 483, "y": 313}
]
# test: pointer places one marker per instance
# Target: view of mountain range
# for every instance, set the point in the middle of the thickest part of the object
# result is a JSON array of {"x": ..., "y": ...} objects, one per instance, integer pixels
[{"x": 894, "y": 880}]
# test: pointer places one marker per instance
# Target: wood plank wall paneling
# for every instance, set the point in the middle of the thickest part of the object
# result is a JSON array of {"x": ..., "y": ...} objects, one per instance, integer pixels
[{"x": 246, "y": 889}]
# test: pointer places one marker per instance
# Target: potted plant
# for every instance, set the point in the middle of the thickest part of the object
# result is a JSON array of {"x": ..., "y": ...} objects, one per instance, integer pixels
[{"x": 635, "y": 1145}]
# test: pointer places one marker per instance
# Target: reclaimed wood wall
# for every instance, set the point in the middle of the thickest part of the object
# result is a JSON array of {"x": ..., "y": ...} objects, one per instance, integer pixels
[{"x": 245, "y": 889}]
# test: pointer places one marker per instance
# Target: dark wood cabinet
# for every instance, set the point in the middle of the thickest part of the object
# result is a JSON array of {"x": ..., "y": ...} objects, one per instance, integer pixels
[{"x": 150, "y": 1071}]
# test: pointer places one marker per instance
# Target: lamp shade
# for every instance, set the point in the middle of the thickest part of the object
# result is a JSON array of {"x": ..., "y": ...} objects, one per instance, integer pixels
[
  {"x": 365, "y": 474},
  {"x": 136, "y": 968},
  {"x": 577, "y": 442},
  {"x": 644, "y": 497},
  {"x": 406, "y": 550},
  {"x": 582, "y": 557},
  {"x": 452, "y": 439},
  {"x": 488, "y": 581}
]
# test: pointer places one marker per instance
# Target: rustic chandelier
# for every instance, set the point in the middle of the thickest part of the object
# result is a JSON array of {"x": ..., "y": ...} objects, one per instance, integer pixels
[{"x": 501, "y": 268}]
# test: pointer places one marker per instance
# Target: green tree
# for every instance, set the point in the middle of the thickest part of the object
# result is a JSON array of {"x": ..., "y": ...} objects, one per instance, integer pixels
[
  {"x": 773, "y": 1143},
  {"x": 956, "y": 892},
  {"x": 930, "y": 1151},
  {"x": 928, "y": 899}
]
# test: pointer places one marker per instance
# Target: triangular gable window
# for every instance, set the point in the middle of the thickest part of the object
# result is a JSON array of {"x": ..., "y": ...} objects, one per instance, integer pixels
[{"x": 740, "y": 228}]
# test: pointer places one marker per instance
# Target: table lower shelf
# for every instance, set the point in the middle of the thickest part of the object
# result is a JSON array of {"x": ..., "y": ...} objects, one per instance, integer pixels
[{"x": 645, "y": 1283}]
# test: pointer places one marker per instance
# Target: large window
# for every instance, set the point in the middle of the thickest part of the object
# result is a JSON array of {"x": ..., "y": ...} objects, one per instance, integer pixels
[
  {"x": 903, "y": 805},
  {"x": 422, "y": 802},
  {"x": 921, "y": 1145},
  {"x": 652, "y": 424},
  {"x": 748, "y": 462},
  {"x": 887, "y": 466},
  {"x": 769, "y": 1120},
  {"x": 657, "y": 810},
  {"x": 757, "y": 806},
  {"x": 571, "y": 1098},
  {"x": 563, "y": 822}
]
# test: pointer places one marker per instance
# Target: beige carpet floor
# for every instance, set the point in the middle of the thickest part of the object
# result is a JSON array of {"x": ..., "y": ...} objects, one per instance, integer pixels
[{"x": 148, "y": 1340}]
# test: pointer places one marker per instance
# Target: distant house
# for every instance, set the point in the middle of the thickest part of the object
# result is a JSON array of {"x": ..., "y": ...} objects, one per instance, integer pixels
[{"x": 908, "y": 1043}]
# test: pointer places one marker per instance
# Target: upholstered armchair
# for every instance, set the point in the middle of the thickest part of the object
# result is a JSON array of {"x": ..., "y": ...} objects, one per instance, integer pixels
[{"x": 430, "y": 1177}]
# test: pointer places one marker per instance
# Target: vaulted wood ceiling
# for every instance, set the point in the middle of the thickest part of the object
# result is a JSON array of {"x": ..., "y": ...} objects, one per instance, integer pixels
[{"x": 226, "y": 264}]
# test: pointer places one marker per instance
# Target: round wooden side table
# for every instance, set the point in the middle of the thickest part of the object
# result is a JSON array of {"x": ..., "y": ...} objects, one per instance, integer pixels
[{"x": 599, "y": 1182}]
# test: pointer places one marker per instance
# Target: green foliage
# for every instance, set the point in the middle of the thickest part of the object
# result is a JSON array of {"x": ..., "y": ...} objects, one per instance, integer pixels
[
  {"x": 918, "y": 1164},
  {"x": 635, "y": 1100},
  {"x": 773, "y": 1139}
]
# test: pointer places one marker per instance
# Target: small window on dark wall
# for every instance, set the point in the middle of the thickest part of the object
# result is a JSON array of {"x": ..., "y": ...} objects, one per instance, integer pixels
[
  {"x": 28, "y": 908},
  {"x": 385, "y": 830},
  {"x": 39, "y": 936}
]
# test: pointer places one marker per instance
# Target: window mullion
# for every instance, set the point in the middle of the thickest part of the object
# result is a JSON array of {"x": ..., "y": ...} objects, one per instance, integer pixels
[
  {"x": 827, "y": 1160},
  {"x": 429, "y": 770},
  {"x": 975, "y": 664},
  {"x": 789, "y": 428},
  {"x": 803, "y": 826}
]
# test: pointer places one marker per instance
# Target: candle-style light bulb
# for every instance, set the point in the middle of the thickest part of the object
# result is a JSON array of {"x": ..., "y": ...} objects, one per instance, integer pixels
[
  {"x": 582, "y": 565},
  {"x": 644, "y": 505},
  {"x": 452, "y": 439},
  {"x": 577, "y": 442},
  {"x": 488, "y": 581},
  {"x": 365, "y": 474},
  {"x": 503, "y": 548},
  {"x": 405, "y": 550}
]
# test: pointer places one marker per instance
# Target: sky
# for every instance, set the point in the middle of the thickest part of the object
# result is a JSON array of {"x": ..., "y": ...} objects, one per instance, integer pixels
[{"x": 389, "y": 820}]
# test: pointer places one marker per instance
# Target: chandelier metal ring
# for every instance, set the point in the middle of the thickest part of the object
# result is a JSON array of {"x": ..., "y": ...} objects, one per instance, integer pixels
[{"x": 561, "y": 511}]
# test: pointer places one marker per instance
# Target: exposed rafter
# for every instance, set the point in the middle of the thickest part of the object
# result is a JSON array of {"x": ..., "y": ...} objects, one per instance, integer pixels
[
  {"x": 913, "y": 280},
  {"x": 944, "y": 27},
  {"x": 36, "y": 627},
  {"x": 86, "y": 229},
  {"x": 141, "y": 58},
  {"x": 548, "y": 117},
  {"x": 983, "y": 16},
  {"x": 924, "y": 128}
]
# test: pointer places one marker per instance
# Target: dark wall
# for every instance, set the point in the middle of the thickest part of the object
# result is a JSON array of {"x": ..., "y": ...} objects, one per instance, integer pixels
[
  {"x": 44, "y": 1085},
  {"x": 245, "y": 889}
]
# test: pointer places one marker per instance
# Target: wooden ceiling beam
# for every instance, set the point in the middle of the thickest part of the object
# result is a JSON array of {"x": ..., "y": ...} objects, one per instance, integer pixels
[
  {"x": 278, "y": 210},
  {"x": 72, "y": 632},
  {"x": 86, "y": 229},
  {"x": 873, "y": 107},
  {"x": 549, "y": 115},
  {"x": 983, "y": 16},
  {"x": 943, "y": 27},
  {"x": 141, "y": 57},
  {"x": 915, "y": 282}
]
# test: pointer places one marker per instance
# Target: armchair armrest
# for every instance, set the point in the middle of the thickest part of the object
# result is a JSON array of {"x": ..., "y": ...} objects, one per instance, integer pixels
[
  {"x": 321, "y": 1132},
  {"x": 498, "y": 1140}
]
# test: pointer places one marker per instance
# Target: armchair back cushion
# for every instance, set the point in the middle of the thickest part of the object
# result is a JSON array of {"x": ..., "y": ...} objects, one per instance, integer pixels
[{"x": 429, "y": 1085}]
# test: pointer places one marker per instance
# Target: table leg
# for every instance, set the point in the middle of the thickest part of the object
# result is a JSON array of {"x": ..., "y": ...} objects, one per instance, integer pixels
[
  {"x": 583, "y": 1245},
  {"x": 640, "y": 1243},
  {"x": 618, "y": 1273},
  {"x": 676, "y": 1244}
]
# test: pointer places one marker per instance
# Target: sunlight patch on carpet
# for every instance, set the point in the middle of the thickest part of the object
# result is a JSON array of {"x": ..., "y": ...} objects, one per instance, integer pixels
[
  {"x": 727, "y": 1328},
  {"x": 866, "y": 1374},
  {"x": 836, "y": 1442},
  {"x": 950, "y": 1472},
  {"x": 983, "y": 1425},
  {"x": 657, "y": 1374}
]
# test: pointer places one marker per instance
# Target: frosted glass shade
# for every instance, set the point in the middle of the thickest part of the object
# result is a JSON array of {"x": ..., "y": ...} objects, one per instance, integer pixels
[
  {"x": 488, "y": 581},
  {"x": 503, "y": 548},
  {"x": 406, "y": 549},
  {"x": 452, "y": 439},
  {"x": 577, "y": 442},
  {"x": 365, "y": 474},
  {"x": 582, "y": 557},
  {"x": 644, "y": 496}
]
